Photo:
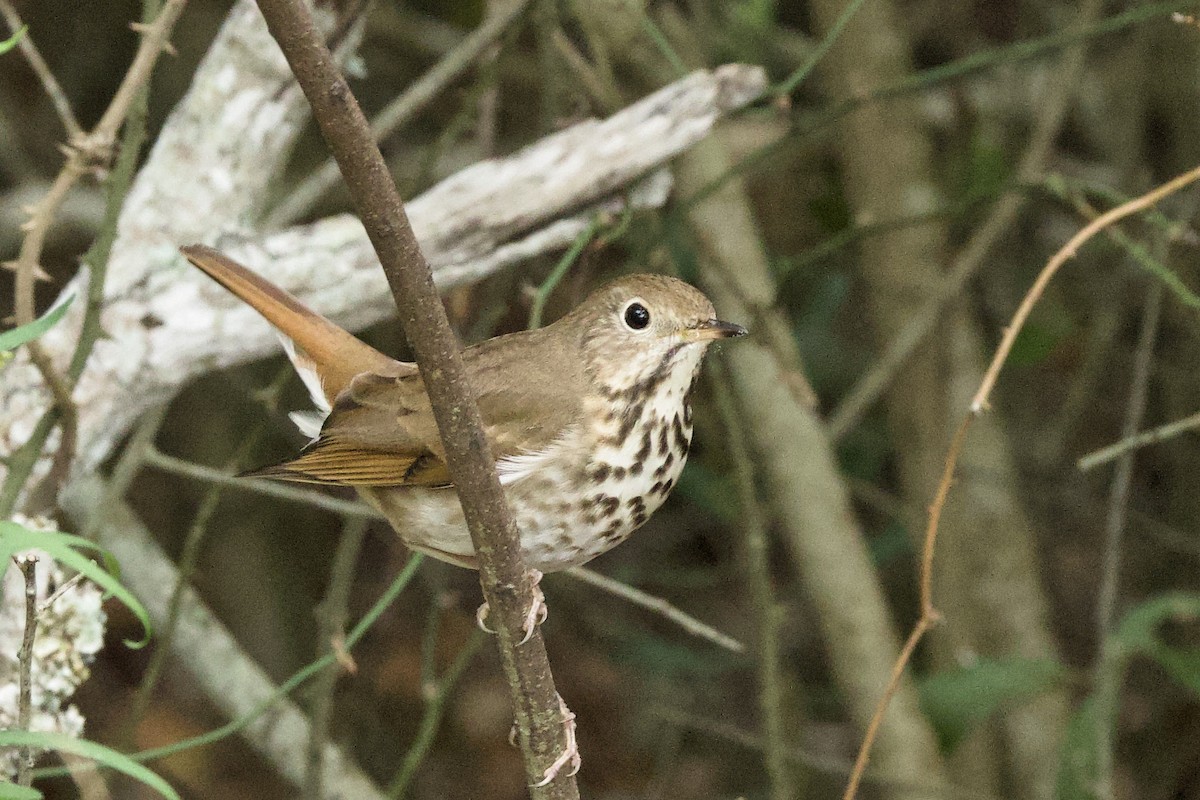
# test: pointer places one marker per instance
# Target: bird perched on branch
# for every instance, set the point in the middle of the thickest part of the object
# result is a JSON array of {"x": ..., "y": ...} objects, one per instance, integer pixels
[{"x": 588, "y": 418}]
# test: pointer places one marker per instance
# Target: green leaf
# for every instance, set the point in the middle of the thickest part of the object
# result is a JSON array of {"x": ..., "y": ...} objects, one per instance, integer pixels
[
  {"x": 10, "y": 340},
  {"x": 1183, "y": 664},
  {"x": 11, "y": 791},
  {"x": 13, "y": 41},
  {"x": 1139, "y": 634},
  {"x": 1138, "y": 630},
  {"x": 959, "y": 699},
  {"x": 62, "y": 547},
  {"x": 96, "y": 752}
]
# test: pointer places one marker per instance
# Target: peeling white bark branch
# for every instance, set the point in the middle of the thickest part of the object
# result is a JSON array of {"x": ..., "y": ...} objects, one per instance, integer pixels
[
  {"x": 166, "y": 324},
  {"x": 208, "y": 171}
]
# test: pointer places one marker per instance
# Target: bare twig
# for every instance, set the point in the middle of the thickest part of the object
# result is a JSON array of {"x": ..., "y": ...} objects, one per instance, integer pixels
[
  {"x": 84, "y": 153},
  {"x": 67, "y": 586},
  {"x": 88, "y": 150},
  {"x": 658, "y": 605},
  {"x": 38, "y": 64},
  {"x": 503, "y": 575},
  {"x": 1152, "y": 436},
  {"x": 283, "y": 491},
  {"x": 1106, "y": 675},
  {"x": 979, "y": 404},
  {"x": 974, "y": 254},
  {"x": 96, "y": 261},
  {"x": 929, "y": 615},
  {"x": 400, "y": 111},
  {"x": 1140, "y": 255},
  {"x": 430, "y": 721},
  {"x": 331, "y": 629},
  {"x": 28, "y": 567}
]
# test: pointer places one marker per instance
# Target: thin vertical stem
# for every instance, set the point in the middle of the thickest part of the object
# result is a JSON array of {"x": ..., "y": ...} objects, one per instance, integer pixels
[
  {"x": 28, "y": 567},
  {"x": 559, "y": 272},
  {"x": 190, "y": 554},
  {"x": 331, "y": 631},
  {"x": 503, "y": 573},
  {"x": 432, "y": 718},
  {"x": 1107, "y": 672},
  {"x": 758, "y": 576}
]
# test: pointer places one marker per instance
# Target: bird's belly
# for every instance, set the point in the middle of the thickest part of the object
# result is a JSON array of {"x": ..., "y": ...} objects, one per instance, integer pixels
[
  {"x": 566, "y": 515},
  {"x": 430, "y": 521}
]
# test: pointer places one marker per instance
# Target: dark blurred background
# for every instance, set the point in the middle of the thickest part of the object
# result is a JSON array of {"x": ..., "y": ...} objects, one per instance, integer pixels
[{"x": 860, "y": 215}]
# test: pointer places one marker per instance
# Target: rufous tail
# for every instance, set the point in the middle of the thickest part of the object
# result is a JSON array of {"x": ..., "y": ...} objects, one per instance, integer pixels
[{"x": 337, "y": 354}]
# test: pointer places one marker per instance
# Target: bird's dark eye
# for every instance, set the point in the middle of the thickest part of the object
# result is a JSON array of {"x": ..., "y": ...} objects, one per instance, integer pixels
[{"x": 636, "y": 316}]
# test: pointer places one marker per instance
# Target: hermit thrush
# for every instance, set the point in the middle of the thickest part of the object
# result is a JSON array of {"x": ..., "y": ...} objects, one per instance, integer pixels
[{"x": 588, "y": 418}]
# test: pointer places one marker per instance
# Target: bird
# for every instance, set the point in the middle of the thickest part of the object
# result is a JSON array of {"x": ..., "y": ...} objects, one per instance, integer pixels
[{"x": 589, "y": 418}]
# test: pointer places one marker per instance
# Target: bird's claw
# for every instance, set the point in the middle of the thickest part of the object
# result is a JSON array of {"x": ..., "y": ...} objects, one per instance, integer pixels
[
  {"x": 481, "y": 615},
  {"x": 536, "y": 616},
  {"x": 569, "y": 755}
]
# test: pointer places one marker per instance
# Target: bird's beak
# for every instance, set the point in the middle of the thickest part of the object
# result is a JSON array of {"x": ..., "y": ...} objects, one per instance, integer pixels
[{"x": 714, "y": 329}]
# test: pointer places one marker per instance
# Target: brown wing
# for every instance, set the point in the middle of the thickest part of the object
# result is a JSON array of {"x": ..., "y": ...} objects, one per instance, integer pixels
[{"x": 381, "y": 431}]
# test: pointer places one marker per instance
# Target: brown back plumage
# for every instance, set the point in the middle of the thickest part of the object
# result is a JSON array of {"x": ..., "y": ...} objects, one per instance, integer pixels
[{"x": 381, "y": 430}]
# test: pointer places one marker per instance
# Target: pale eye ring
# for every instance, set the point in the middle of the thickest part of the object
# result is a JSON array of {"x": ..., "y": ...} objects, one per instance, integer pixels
[{"x": 636, "y": 316}]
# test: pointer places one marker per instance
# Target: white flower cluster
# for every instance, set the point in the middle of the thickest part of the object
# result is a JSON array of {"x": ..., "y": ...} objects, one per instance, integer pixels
[{"x": 70, "y": 631}]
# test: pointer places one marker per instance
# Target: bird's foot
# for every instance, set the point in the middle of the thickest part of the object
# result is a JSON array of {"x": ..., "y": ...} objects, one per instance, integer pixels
[
  {"x": 569, "y": 755},
  {"x": 538, "y": 610},
  {"x": 536, "y": 615}
]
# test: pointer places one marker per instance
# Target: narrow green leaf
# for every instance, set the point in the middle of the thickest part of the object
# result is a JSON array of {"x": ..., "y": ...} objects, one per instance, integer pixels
[
  {"x": 11, "y": 791},
  {"x": 96, "y": 752},
  {"x": 1139, "y": 634},
  {"x": 959, "y": 699},
  {"x": 1138, "y": 630},
  {"x": 10, "y": 340},
  {"x": 61, "y": 546},
  {"x": 14, "y": 40},
  {"x": 1182, "y": 663}
]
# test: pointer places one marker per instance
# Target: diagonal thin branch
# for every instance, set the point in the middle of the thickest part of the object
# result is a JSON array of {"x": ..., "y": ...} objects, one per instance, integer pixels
[
  {"x": 399, "y": 112},
  {"x": 85, "y": 152},
  {"x": 1106, "y": 676},
  {"x": 505, "y": 579},
  {"x": 38, "y": 64},
  {"x": 1138, "y": 441},
  {"x": 658, "y": 605},
  {"x": 979, "y": 404}
]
